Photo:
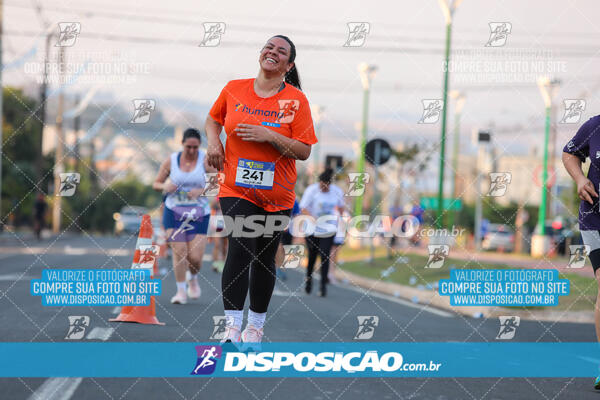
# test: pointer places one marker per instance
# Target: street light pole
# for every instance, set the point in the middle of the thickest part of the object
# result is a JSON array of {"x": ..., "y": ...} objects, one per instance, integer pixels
[
  {"x": 76, "y": 125},
  {"x": 42, "y": 109},
  {"x": 367, "y": 73},
  {"x": 458, "y": 106},
  {"x": 448, "y": 8},
  {"x": 59, "y": 152},
  {"x": 547, "y": 89},
  {"x": 542, "y": 212}
]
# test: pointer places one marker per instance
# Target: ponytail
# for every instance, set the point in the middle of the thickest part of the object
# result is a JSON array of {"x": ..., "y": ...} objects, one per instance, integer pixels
[{"x": 292, "y": 77}]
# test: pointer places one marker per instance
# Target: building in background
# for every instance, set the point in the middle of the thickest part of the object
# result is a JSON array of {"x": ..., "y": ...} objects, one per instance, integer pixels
[{"x": 133, "y": 152}]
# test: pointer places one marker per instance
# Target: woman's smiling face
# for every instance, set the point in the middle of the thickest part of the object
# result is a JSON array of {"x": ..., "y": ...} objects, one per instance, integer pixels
[{"x": 275, "y": 56}]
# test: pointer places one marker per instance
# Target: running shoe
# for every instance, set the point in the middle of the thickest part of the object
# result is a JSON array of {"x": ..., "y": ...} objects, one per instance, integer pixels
[
  {"x": 252, "y": 338},
  {"x": 193, "y": 290},
  {"x": 232, "y": 335},
  {"x": 308, "y": 287},
  {"x": 323, "y": 291},
  {"x": 217, "y": 266},
  {"x": 179, "y": 298},
  {"x": 332, "y": 279},
  {"x": 597, "y": 383}
]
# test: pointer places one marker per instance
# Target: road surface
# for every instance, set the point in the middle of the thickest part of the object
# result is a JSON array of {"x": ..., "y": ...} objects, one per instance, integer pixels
[{"x": 293, "y": 316}]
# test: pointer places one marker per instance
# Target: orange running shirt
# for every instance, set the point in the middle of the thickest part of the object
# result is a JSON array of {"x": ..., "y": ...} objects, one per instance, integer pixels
[{"x": 257, "y": 171}]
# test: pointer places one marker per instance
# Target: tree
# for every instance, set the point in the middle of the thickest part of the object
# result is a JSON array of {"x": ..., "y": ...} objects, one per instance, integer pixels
[
  {"x": 91, "y": 211},
  {"x": 21, "y": 134}
]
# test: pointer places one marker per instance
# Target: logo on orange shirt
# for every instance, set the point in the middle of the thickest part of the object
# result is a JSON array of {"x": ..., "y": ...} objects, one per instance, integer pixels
[
  {"x": 285, "y": 115},
  {"x": 287, "y": 110},
  {"x": 255, "y": 111}
]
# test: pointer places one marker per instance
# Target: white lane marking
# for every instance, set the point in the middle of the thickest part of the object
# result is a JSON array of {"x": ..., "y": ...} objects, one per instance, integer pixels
[
  {"x": 75, "y": 251},
  {"x": 63, "y": 388},
  {"x": 277, "y": 292},
  {"x": 56, "y": 389},
  {"x": 15, "y": 277},
  {"x": 118, "y": 252},
  {"x": 207, "y": 257},
  {"x": 116, "y": 310},
  {"x": 100, "y": 333}
]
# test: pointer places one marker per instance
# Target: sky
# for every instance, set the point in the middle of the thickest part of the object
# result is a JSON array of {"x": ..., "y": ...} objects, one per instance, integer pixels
[{"x": 157, "y": 42}]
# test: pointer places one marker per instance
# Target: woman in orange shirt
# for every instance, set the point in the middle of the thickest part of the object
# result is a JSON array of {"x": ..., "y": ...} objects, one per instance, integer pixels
[{"x": 268, "y": 126}]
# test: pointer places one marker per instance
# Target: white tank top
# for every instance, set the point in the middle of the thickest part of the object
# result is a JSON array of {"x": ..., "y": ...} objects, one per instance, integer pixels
[{"x": 186, "y": 181}]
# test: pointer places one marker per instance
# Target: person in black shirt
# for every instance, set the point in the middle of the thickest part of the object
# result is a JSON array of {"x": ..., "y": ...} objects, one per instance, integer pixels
[{"x": 39, "y": 215}]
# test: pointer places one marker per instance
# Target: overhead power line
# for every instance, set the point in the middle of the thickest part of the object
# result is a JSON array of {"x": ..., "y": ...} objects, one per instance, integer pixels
[
  {"x": 566, "y": 52},
  {"x": 311, "y": 31}
]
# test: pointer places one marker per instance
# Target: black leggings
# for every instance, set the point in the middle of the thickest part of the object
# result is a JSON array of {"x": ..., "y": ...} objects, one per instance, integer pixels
[
  {"x": 319, "y": 246},
  {"x": 250, "y": 260},
  {"x": 595, "y": 259}
]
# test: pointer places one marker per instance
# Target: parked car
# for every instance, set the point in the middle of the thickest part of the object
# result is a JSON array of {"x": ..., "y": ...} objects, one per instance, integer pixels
[
  {"x": 499, "y": 237},
  {"x": 128, "y": 220},
  {"x": 562, "y": 237}
]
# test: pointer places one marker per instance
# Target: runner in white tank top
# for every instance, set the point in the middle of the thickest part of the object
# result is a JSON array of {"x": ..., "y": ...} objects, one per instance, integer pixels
[{"x": 186, "y": 212}]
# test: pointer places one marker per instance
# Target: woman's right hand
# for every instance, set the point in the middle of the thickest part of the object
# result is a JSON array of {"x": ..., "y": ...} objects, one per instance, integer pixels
[
  {"x": 215, "y": 154},
  {"x": 585, "y": 190},
  {"x": 169, "y": 187}
]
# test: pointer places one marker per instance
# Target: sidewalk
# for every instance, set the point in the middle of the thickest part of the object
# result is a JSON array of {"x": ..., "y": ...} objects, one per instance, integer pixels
[
  {"x": 483, "y": 258},
  {"x": 19, "y": 237},
  {"x": 433, "y": 299}
]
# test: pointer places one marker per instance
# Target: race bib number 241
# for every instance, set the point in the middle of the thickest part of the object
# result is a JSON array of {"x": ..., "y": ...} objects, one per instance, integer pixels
[{"x": 255, "y": 174}]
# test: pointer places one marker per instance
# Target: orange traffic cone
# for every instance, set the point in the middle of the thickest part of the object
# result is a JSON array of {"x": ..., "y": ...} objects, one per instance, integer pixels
[
  {"x": 144, "y": 238},
  {"x": 141, "y": 314}
]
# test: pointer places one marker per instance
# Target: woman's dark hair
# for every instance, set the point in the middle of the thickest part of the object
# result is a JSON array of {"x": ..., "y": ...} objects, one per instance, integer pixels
[
  {"x": 191, "y": 133},
  {"x": 292, "y": 76},
  {"x": 326, "y": 176}
]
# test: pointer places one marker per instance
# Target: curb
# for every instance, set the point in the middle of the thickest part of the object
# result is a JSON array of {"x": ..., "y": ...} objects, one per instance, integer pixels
[
  {"x": 18, "y": 238},
  {"x": 431, "y": 298}
]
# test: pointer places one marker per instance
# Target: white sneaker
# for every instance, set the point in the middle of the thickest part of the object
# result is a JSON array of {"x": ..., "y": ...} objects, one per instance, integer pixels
[
  {"x": 252, "y": 338},
  {"x": 193, "y": 289},
  {"x": 179, "y": 298},
  {"x": 332, "y": 279},
  {"x": 232, "y": 334}
]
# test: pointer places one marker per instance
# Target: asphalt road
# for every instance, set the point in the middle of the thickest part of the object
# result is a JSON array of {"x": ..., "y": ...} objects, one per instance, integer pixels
[{"x": 293, "y": 316}]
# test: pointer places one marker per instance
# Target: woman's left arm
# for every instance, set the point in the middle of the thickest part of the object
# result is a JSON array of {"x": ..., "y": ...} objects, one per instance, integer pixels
[{"x": 286, "y": 146}]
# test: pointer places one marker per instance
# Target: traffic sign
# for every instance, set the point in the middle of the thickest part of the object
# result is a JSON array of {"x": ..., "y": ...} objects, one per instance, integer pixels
[
  {"x": 449, "y": 204},
  {"x": 377, "y": 152},
  {"x": 334, "y": 162}
]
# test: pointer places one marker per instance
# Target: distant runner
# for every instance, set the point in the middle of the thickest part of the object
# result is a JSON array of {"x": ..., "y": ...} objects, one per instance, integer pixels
[
  {"x": 325, "y": 205},
  {"x": 39, "y": 216},
  {"x": 186, "y": 212}
]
